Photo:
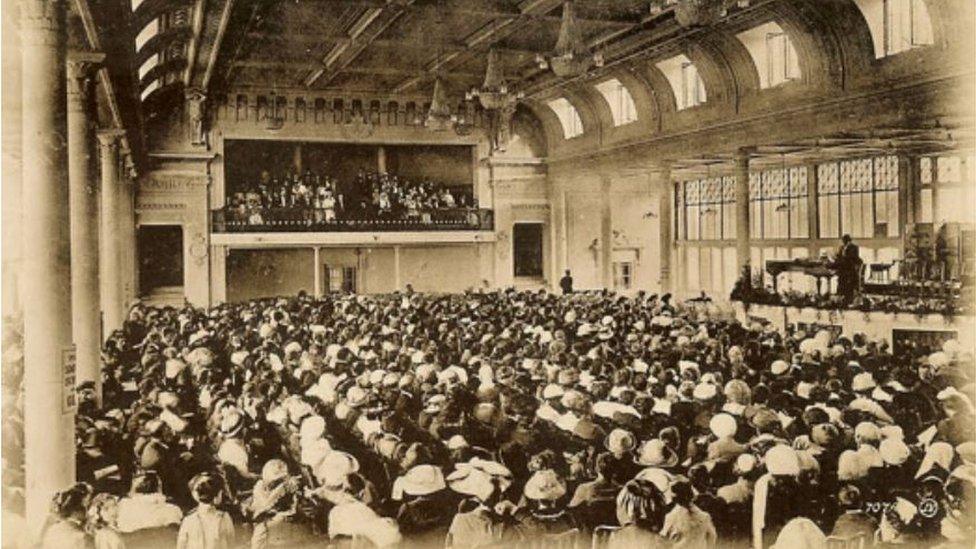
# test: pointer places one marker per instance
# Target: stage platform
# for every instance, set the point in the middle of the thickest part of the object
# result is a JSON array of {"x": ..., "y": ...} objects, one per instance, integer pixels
[{"x": 892, "y": 327}]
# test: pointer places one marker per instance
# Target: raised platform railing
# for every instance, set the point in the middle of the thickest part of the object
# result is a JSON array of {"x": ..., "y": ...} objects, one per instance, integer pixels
[{"x": 278, "y": 220}]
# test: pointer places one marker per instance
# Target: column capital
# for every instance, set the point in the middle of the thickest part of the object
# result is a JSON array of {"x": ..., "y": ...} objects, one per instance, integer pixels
[
  {"x": 109, "y": 138},
  {"x": 743, "y": 154},
  {"x": 81, "y": 69}
]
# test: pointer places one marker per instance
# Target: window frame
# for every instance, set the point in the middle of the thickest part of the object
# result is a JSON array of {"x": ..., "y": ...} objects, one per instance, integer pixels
[
  {"x": 623, "y": 110},
  {"x": 569, "y": 117}
]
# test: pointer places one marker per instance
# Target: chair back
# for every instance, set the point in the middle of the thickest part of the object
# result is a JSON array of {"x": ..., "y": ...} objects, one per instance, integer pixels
[{"x": 601, "y": 536}]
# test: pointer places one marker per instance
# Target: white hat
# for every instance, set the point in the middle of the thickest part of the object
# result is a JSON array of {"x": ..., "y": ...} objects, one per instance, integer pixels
[
  {"x": 314, "y": 452},
  {"x": 420, "y": 480},
  {"x": 863, "y": 382},
  {"x": 544, "y": 485},
  {"x": 705, "y": 391},
  {"x": 867, "y": 431},
  {"x": 313, "y": 427},
  {"x": 273, "y": 471},
  {"x": 779, "y": 367},
  {"x": 782, "y": 460},
  {"x": 850, "y": 467},
  {"x": 894, "y": 451},
  {"x": 553, "y": 391},
  {"x": 356, "y": 396},
  {"x": 621, "y": 440},
  {"x": 744, "y": 464},
  {"x": 335, "y": 468},
  {"x": 938, "y": 453},
  {"x": 723, "y": 425}
]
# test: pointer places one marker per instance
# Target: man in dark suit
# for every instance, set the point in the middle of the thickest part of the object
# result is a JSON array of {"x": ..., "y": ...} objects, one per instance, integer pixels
[
  {"x": 848, "y": 264},
  {"x": 566, "y": 283}
]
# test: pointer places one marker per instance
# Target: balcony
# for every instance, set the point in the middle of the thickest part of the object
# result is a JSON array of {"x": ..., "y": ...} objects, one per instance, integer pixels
[{"x": 312, "y": 220}]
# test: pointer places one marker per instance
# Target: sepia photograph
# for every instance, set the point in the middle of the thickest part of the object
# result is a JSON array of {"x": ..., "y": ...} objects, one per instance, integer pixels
[{"x": 458, "y": 274}]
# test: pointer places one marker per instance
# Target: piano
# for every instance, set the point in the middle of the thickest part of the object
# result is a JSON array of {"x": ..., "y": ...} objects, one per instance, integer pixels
[{"x": 820, "y": 269}]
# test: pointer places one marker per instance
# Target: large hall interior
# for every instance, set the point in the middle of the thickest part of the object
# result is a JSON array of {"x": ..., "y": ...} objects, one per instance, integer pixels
[{"x": 486, "y": 273}]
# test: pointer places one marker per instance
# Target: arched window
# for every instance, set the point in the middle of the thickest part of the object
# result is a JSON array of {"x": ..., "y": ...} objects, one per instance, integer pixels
[
  {"x": 688, "y": 87},
  {"x": 153, "y": 86},
  {"x": 773, "y": 53},
  {"x": 151, "y": 29},
  {"x": 897, "y": 25},
  {"x": 148, "y": 65},
  {"x": 619, "y": 100},
  {"x": 569, "y": 117}
]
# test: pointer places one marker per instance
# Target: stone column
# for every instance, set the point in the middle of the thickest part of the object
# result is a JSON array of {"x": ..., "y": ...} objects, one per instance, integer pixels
[
  {"x": 661, "y": 182},
  {"x": 397, "y": 281},
  {"x": 317, "y": 274},
  {"x": 49, "y": 449},
  {"x": 742, "y": 237},
  {"x": 83, "y": 204},
  {"x": 606, "y": 233},
  {"x": 111, "y": 256},
  {"x": 381, "y": 159},
  {"x": 128, "y": 248}
]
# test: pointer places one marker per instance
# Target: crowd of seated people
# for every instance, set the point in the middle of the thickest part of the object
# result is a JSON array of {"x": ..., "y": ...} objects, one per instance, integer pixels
[
  {"x": 512, "y": 418},
  {"x": 313, "y": 197}
]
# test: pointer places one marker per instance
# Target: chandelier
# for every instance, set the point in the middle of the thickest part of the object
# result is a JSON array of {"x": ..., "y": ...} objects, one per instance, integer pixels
[
  {"x": 494, "y": 93},
  {"x": 439, "y": 117},
  {"x": 572, "y": 56}
]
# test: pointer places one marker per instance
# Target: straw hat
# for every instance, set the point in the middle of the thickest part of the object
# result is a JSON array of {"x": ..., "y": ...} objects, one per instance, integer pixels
[
  {"x": 420, "y": 480},
  {"x": 655, "y": 453},
  {"x": 545, "y": 485}
]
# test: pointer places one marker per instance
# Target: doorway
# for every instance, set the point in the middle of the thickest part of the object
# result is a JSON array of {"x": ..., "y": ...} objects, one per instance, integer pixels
[
  {"x": 339, "y": 278},
  {"x": 527, "y": 253},
  {"x": 160, "y": 253}
]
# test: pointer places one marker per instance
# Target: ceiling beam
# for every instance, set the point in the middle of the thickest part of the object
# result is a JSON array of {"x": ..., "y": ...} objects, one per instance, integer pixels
[
  {"x": 483, "y": 37},
  {"x": 294, "y": 64},
  {"x": 360, "y": 36},
  {"x": 420, "y": 43},
  {"x": 199, "y": 14},
  {"x": 218, "y": 40},
  {"x": 467, "y": 7}
]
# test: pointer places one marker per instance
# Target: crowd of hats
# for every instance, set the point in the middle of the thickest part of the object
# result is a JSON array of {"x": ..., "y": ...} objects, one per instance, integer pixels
[{"x": 344, "y": 411}]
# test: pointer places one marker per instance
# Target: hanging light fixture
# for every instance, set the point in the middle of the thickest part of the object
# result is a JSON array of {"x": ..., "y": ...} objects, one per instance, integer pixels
[
  {"x": 572, "y": 56},
  {"x": 439, "y": 117},
  {"x": 494, "y": 93}
]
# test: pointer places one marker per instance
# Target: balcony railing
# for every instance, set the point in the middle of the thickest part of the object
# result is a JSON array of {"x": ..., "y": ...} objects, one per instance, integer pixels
[{"x": 288, "y": 220}]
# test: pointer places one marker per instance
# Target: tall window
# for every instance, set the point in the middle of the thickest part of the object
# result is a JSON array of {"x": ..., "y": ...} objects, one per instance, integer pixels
[
  {"x": 687, "y": 85},
  {"x": 907, "y": 25},
  {"x": 623, "y": 275},
  {"x": 569, "y": 117},
  {"x": 948, "y": 189},
  {"x": 707, "y": 209},
  {"x": 772, "y": 52},
  {"x": 153, "y": 86},
  {"x": 619, "y": 100},
  {"x": 778, "y": 203},
  {"x": 782, "y": 64},
  {"x": 147, "y": 32},
  {"x": 693, "y": 89},
  {"x": 148, "y": 65},
  {"x": 859, "y": 197}
]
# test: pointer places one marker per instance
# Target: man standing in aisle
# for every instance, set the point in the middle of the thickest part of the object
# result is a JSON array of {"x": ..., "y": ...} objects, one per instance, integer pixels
[
  {"x": 848, "y": 264},
  {"x": 566, "y": 283}
]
